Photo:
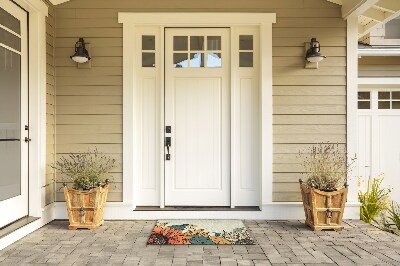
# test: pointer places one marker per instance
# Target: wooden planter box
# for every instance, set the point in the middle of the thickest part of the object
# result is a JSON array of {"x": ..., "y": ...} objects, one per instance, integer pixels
[
  {"x": 85, "y": 207},
  {"x": 323, "y": 210}
]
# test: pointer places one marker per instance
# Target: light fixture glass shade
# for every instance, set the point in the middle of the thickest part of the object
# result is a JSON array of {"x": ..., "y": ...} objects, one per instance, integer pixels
[
  {"x": 81, "y": 54},
  {"x": 313, "y": 54}
]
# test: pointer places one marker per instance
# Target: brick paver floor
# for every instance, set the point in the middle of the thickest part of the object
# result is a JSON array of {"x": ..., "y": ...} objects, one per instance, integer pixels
[{"x": 279, "y": 243}]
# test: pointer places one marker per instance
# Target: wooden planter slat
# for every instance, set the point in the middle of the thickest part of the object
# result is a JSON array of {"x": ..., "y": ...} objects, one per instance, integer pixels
[
  {"x": 323, "y": 210},
  {"x": 85, "y": 208}
]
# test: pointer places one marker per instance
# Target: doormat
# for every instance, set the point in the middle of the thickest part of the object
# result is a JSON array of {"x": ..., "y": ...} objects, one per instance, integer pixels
[{"x": 200, "y": 232}]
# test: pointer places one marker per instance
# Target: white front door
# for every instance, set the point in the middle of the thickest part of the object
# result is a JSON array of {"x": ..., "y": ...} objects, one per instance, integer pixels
[
  {"x": 197, "y": 108},
  {"x": 13, "y": 113},
  {"x": 378, "y": 135}
]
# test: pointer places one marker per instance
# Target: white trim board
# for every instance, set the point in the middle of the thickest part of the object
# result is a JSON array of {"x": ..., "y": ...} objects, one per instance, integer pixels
[
  {"x": 132, "y": 127},
  {"x": 270, "y": 211},
  {"x": 379, "y": 80}
]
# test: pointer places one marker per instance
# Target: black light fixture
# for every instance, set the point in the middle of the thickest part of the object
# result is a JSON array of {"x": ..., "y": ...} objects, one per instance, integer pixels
[
  {"x": 313, "y": 54},
  {"x": 81, "y": 54}
]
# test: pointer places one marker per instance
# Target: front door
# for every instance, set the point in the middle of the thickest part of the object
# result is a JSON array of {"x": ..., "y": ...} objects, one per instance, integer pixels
[
  {"x": 197, "y": 110},
  {"x": 13, "y": 113}
]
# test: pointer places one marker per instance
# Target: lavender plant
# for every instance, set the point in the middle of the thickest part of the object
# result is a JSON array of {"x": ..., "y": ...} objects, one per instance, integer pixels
[
  {"x": 86, "y": 170},
  {"x": 325, "y": 166}
]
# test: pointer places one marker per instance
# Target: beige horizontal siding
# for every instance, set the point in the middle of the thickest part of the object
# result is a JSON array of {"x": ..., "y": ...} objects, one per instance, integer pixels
[
  {"x": 49, "y": 184},
  {"x": 309, "y": 104},
  {"x": 379, "y": 66}
]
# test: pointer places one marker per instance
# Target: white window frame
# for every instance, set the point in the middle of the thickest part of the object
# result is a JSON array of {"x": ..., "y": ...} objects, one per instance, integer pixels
[{"x": 131, "y": 158}]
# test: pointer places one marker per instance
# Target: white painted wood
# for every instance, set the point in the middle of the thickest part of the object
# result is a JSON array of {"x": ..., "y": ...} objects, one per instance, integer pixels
[
  {"x": 379, "y": 81},
  {"x": 246, "y": 123},
  {"x": 352, "y": 74},
  {"x": 148, "y": 86},
  {"x": 17, "y": 207},
  {"x": 132, "y": 127},
  {"x": 379, "y": 144},
  {"x": 197, "y": 107}
]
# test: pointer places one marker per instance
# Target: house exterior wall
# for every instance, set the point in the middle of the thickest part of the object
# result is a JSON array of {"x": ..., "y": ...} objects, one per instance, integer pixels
[
  {"x": 48, "y": 189},
  {"x": 309, "y": 104},
  {"x": 379, "y": 66}
]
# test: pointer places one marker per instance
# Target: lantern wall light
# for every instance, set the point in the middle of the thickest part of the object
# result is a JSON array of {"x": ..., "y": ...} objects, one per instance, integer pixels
[
  {"x": 81, "y": 54},
  {"x": 313, "y": 54}
]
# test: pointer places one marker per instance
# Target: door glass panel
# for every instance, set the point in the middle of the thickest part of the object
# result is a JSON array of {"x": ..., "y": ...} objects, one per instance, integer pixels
[
  {"x": 396, "y": 105},
  {"x": 364, "y": 95},
  {"x": 180, "y": 43},
  {"x": 148, "y": 42},
  {"x": 7, "y": 20},
  {"x": 384, "y": 95},
  {"x": 197, "y": 60},
  {"x": 197, "y": 43},
  {"x": 148, "y": 59},
  {"x": 246, "y": 59},
  {"x": 214, "y": 43},
  {"x": 214, "y": 60},
  {"x": 10, "y": 121},
  {"x": 396, "y": 95},
  {"x": 180, "y": 60},
  {"x": 384, "y": 105},
  {"x": 10, "y": 39},
  {"x": 364, "y": 105},
  {"x": 246, "y": 42}
]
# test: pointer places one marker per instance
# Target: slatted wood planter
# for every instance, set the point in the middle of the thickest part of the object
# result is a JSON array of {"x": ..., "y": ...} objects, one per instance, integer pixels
[
  {"x": 323, "y": 210},
  {"x": 85, "y": 207}
]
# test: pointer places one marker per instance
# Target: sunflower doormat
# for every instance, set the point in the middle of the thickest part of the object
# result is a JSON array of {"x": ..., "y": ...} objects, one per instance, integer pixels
[{"x": 200, "y": 232}]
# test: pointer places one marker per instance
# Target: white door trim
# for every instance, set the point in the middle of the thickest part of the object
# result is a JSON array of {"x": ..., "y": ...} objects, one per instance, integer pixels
[
  {"x": 131, "y": 125},
  {"x": 37, "y": 102}
]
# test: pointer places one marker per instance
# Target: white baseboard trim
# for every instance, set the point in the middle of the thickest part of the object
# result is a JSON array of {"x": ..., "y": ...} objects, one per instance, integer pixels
[
  {"x": 47, "y": 216},
  {"x": 270, "y": 211}
]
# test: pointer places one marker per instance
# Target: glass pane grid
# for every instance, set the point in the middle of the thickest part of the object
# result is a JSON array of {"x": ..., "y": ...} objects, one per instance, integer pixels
[
  {"x": 148, "y": 51},
  {"x": 197, "y": 51}
]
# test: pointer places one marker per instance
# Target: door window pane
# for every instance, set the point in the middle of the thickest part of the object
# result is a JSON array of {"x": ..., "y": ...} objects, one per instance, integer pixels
[
  {"x": 197, "y": 43},
  {"x": 180, "y": 60},
  {"x": 364, "y": 105},
  {"x": 148, "y": 59},
  {"x": 148, "y": 42},
  {"x": 364, "y": 95},
  {"x": 10, "y": 124},
  {"x": 246, "y": 42},
  {"x": 384, "y": 95},
  {"x": 396, "y": 105},
  {"x": 180, "y": 43},
  {"x": 10, "y": 39},
  {"x": 214, "y": 43},
  {"x": 214, "y": 60},
  {"x": 197, "y": 60},
  {"x": 246, "y": 59},
  {"x": 396, "y": 95},
  {"x": 384, "y": 105},
  {"x": 7, "y": 20}
]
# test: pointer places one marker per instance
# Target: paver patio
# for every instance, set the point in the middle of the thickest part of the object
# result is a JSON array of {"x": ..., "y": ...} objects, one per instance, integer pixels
[{"x": 279, "y": 243}]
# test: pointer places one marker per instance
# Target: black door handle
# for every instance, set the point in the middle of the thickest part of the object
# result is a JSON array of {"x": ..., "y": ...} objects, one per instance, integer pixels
[{"x": 168, "y": 144}]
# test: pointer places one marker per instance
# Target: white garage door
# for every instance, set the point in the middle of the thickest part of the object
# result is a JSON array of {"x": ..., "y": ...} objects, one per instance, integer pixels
[{"x": 379, "y": 136}]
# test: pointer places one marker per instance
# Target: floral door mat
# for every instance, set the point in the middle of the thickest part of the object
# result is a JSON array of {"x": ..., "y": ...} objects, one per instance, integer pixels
[{"x": 200, "y": 232}]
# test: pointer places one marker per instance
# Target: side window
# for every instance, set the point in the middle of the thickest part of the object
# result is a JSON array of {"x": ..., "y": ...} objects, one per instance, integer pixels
[
  {"x": 148, "y": 51},
  {"x": 246, "y": 50},
  {"x": 364, "y": 100}
]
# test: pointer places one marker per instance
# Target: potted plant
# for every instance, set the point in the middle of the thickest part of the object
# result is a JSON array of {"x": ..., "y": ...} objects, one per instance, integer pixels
[
  {"x": 86, "y": 198},
  {"x": 324, "y": 192}
]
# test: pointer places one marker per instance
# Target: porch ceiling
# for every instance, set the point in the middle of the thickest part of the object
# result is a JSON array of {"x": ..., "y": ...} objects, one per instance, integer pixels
[{"x": 371, "y": 13}]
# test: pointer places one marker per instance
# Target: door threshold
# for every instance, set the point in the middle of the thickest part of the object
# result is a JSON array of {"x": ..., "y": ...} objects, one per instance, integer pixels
[
  {"x": 8, "y": 229},
  {"x": 197, "y": 208}
]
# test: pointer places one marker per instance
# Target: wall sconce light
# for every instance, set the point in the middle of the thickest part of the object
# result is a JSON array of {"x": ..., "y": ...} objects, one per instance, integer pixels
[
  {"x": 313, "y": 55},
  {"x": 81, "y": 54}
]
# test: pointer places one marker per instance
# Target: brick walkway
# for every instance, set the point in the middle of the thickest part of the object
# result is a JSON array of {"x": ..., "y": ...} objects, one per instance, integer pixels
[{"x": 279, "y": 243}]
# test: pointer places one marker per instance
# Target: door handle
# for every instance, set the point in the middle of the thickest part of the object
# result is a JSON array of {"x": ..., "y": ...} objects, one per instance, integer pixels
[
  {"x": 27, "y": 139},
  {"x": 168, "y": 144}
]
